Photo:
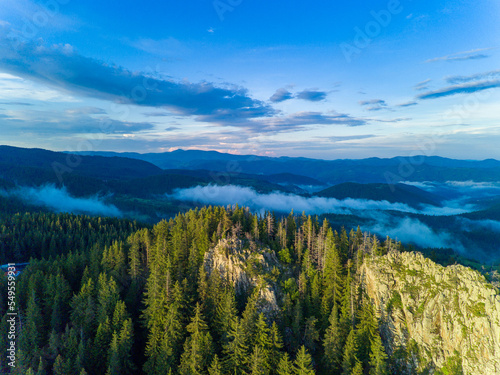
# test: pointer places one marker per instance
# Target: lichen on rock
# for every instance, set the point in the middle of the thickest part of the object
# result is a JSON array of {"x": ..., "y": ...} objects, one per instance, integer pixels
[
  {"x": 446, "y": 312},
  {"x": 246, "y": 268}
]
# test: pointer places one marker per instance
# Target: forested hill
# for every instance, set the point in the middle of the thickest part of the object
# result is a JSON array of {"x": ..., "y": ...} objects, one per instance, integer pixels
[
  {"x": 401, "y": 193},
  {"x": 213, "y": 291},
  {"x": 15, "y": 160}
]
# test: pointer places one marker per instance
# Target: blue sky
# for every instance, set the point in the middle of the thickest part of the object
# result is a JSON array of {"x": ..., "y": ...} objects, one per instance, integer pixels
[{"x": 323, "y": 80}]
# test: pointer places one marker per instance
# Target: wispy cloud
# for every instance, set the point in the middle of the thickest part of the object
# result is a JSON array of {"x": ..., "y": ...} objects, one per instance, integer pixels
[
  {"x": 462, "y": 56},
  {"x": 373, "y": 104},
  {"x": 302, "y": 119},
  {"x": 169, "y": 47},
  {"x": 465, "y": 88},
  {"x": 86, "y": 111},
  {"x": 281, "y": 95},
  {"x": 312, "y": 95},
  {"x": 345, "y": 138},
  {"x": 16, "y": 103},
  {"x": 422, "y": 85},
  {"x": 73, "y": 121},
  {"x": 475, "y": 77},
  {"x": 407, "y": 104}
]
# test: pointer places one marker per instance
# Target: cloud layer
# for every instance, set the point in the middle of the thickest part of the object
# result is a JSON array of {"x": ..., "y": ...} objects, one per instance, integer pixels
[
  {"x": 407, "y": 230},
  {"x": 59, "y": 200},
  {"x": 275, "y": 201},
  {"x": 61, "y": 66}
]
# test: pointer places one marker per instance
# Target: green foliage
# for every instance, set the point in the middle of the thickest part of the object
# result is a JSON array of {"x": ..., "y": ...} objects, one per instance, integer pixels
[
  {"x": 197, "y": 347},
  {"x": 378, "y": 358},
  {"x": 285, "y": 366},
  {"x": 453, "y": 366},
  {"x": 215, "y": 367},
  {"x": 303, "y": 363},
  {"x": 332, "y": 343},
  {"x": 350, "y": 354},
  {"x": 478, "y": 310},
  {"x": 105, "y": 296},
  {"x": 236, "y": 350}
]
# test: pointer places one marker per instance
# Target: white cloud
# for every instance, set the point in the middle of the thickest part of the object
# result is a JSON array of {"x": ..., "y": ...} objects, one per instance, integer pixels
[
  {"x": 59, "y": 200},
  {"x": 276, "y": 201}
]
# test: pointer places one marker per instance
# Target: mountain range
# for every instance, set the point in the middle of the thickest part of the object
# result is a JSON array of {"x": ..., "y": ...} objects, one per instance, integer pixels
[
  {"x": 370, "y": 170},
  {"x": 458, "y": 207}
]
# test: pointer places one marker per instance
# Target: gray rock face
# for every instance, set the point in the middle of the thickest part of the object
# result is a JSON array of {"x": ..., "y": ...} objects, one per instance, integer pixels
[
  {"x": 245, "y": 269},
  {"x": 445, "y": 312}
]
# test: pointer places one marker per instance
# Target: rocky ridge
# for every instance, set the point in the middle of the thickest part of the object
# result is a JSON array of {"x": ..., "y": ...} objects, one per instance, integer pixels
[
  {"x": 246, "y": 268},
  {"x": 435, "y": 314}
]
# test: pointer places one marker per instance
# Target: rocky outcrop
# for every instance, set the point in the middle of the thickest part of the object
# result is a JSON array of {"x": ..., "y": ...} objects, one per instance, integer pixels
[
  {"x": 246, "y": 268},
  {"x": 443, "y": 313}
]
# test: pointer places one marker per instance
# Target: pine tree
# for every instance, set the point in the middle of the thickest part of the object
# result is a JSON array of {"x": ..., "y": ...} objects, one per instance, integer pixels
[
  {"x": 107, "y": 297},
  {"x": 158, "y": 352},
  {"x": 119, "y": 316},
  {"x": 60, "y": 298},
  {"x": 134, "y": 256},
  {"x": 367, "y": 329},
  {"x": 378, "y": 357},
  {"x": 275, "y": 346},
  {"x": 311, "y": 334},
  {"x": 285, "y": 366},
  {"x": 41, "y": 367},
  {"x": 215, "y": 367},
  {"x": 236, "y": 350},
  {"x": 358, "y": 369},
  {"x": 258, "y": 362},
  {"x": 250, "y": 317},
  {"x": 350, "y": 354},
  {"x": 261, "y": 337},
  {"x": 31, "y": 335},
  {"x": 198, "y": 346},
  {"x": 59, "y": 368},
  {"x": 102, "y": 340},
  {"x": 348, "y": 305},
  {"x": 84, "y": 309},
  {"x": 120, "y": 350},
  {"x": 303, "y": 363},
  {"x": 225, "y": 315},
  {"x": 332, "y": 343},
  {"x": 333, "y": 277}
]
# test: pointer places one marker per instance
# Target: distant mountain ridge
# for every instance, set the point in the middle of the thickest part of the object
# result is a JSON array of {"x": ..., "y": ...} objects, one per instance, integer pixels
[
  {"x": 86, "y": 165},
  {"x": 370, "y": 170}
]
